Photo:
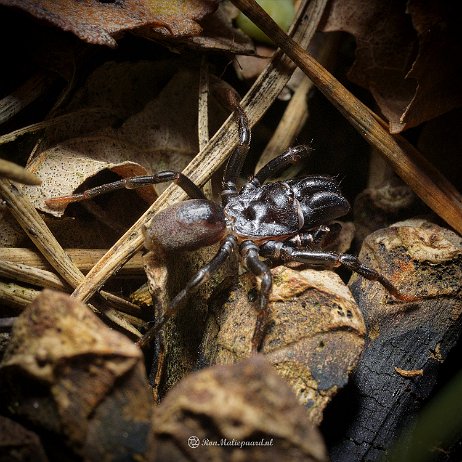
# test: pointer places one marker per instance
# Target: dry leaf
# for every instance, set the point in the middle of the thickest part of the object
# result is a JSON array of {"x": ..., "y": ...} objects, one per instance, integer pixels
[
  {"x": 224, "y": 406},
  {"x": 405, "y": 86},
  {"x": 153, "y": 139},
  {"x": 68, "y": 373},
  {"x": 314, "y": 339},
  {"x": 102, "y": 23}
]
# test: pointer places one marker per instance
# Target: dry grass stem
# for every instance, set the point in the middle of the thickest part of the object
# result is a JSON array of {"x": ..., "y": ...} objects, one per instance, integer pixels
[
  {"x": 15, "y": 172},
  {"x": 24, "y": 95},
  {"x": 31, "y": 275},
  {"x": 59, "y": 120},
  {"x": 83, "y": 259},
  {"x": 16, "y": 296}
]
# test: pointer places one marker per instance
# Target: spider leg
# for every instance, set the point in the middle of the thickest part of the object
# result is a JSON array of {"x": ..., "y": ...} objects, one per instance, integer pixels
[
  {"x": 326, "y": 259},
  {"x": 236, "y": 160},
  {"x": 250, "y": 252},
  {"x": 280, "y": 163},
  {"x": 225, "y": 250},
  {"x": 181, "y": 180}
]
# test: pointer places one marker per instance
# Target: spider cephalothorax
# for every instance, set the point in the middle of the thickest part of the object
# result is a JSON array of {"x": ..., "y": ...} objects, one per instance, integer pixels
[{"x": 281, "y": 221}]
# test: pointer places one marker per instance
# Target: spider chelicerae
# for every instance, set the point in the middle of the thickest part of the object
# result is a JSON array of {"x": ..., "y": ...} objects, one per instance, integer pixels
[{"x": 280, "y": 221}]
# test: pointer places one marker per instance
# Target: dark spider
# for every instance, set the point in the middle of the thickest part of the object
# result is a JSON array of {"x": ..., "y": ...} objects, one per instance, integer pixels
[{"x": 281, "y": 221}]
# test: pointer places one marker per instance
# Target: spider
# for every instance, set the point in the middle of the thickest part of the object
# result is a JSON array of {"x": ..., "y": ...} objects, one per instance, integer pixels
[{"x": 281, "y": 221}]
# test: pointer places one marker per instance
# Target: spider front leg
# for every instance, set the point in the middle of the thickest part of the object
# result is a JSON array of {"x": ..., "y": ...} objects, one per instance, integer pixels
[
  {"x": 286, "y": 252},
  {"x": 181, "y": 180},
  {"x": 250, "y": 252},
  {"x": 226, "y": 249}
]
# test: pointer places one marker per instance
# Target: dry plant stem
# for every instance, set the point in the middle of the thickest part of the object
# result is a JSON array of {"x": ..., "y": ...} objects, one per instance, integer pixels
[
  {"x": 426, "y": 181},
  {"x": 34, "y": 226},
  {"x": 15, "y": 172},
  {"x": 19, "y": 297},
  {"x": 16, "y": 296},
  {"x": 31, "y": 275},
  {"x": 292, "y": 121},
  {"x": 255, "y": 103},
  {"x": 203, "y": 117},
  {"x": 24, "y": 95},
  {"x": 83, "y": 259},
  {"x": 203, "y": 114}
]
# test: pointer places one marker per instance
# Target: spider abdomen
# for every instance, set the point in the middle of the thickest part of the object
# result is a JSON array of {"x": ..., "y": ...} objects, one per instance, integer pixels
[{"x": 187, "y": 225}]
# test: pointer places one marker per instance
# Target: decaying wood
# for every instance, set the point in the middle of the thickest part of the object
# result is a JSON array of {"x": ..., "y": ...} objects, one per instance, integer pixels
[
  {"x": 407, "y": 342},
  {"x": 314, "y": 339},
  {"x": 66, "y": 372},
  {"x": 225, "y": 406}
]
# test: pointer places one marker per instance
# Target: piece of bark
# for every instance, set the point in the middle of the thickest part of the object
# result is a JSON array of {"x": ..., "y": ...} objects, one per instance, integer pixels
[
  {"x": 221, "y": 408},
  {"x": 18, "y": 444},
  {"x": 314, "y": 337},
  {"x": 67, "y": 373},
  {"x": 407, "y": 342}
]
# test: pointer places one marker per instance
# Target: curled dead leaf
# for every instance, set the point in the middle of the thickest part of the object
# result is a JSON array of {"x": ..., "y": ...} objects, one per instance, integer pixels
[
  {"x": 239, "y": 412},
  {"x": 314, "y": 340},
  {"x": 66, "y": 372}
]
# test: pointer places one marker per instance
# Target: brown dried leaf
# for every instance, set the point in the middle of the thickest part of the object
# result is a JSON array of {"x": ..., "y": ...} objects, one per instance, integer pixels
[
  {"x": 246, "y": 402},
  {"x": 405, "y": 86},
  {"x": 102, "y": 22},
  {"x": 11, "y": 234},
  {"x": 151, "y": 140},
  {"x": 314, "y": 340},
  {"x": 70, "y": 374}
]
